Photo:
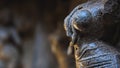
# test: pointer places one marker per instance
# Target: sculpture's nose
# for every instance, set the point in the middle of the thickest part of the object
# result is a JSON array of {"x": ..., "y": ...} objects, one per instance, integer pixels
[{"x": 82, "y": 18}]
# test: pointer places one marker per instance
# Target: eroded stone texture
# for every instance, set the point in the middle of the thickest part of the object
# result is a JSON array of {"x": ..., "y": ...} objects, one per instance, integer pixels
[
  {"x": 96, "y": 54},
  {"x": 93, "y": 27}
]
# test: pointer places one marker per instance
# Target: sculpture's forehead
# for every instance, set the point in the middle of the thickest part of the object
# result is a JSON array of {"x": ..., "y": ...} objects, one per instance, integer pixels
[{"x": 94, "y": 8}]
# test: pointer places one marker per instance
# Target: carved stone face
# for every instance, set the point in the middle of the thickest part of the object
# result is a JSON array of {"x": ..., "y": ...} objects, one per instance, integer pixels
[{"x": 90, "y": 50}]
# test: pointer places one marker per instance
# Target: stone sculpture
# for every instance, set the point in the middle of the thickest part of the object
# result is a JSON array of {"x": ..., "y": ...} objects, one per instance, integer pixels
[{"x": 88, "y": 25}]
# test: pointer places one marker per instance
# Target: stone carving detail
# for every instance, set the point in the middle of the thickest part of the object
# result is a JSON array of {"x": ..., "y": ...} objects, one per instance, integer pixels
[{"x": 88, "y": 25}]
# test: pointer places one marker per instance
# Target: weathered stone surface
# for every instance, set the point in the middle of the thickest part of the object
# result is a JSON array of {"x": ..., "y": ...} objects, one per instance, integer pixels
[{"x": 88, "y": 25}]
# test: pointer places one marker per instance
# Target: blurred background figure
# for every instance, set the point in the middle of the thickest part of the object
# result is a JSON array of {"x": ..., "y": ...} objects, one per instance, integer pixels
[{"x": 32, "y": 33}]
